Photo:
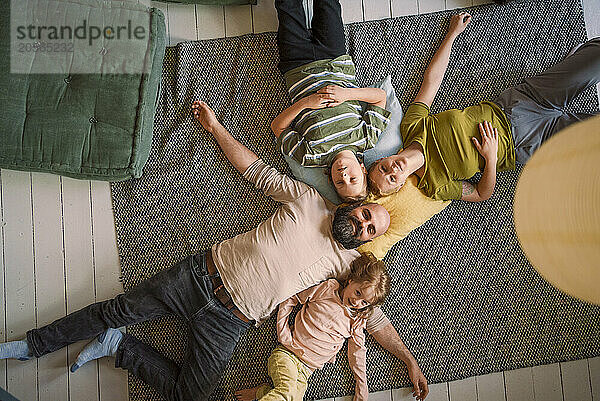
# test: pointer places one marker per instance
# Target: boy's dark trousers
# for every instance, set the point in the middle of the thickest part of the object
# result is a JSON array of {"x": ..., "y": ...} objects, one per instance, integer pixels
[
  {"x": 184, "y": 290},
  {"x": 297, "y": 46}
]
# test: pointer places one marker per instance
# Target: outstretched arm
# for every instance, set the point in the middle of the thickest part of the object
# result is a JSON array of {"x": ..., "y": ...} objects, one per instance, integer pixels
[
  {"x": 434, "y": 74},
  {"x": 238, "y": 155},
  {"x": 488, "y": 148},
  {"x": 389, "y": 339},
  {"x": 357, "y": 357}
]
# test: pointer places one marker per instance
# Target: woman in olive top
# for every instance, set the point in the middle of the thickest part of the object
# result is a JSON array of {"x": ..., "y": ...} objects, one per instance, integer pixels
[{"x": 447, "y": 148}]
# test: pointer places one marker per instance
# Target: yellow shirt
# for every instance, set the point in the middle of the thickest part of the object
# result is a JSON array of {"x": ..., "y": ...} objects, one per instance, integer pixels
[
  {"x": 409, "y": 208},
  {"x": 450, "y": 156}
]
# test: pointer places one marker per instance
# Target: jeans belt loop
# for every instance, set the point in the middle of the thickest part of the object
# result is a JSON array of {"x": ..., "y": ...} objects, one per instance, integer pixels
[{"x": 200, "y": 262}]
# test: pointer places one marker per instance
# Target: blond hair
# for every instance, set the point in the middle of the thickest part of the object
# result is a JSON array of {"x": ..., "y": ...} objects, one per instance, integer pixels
[
  {"x": 371, "y": 272},
  {"x": 372, "y": 186}
]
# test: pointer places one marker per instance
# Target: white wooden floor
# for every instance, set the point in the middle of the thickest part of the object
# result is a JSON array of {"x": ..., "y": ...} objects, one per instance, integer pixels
[{"x": 58, "y": 250}]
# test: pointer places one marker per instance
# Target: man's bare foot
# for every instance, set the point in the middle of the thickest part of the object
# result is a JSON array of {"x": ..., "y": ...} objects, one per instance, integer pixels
[{"x": 248, "y": 394}]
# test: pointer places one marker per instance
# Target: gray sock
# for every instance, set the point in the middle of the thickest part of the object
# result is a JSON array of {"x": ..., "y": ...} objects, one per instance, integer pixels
[
  {"x": 105, "y": 344},
  {"x": 16, "y": 350}
]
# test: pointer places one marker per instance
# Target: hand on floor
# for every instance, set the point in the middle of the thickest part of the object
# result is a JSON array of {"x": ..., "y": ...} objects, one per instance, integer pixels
[
  {"x": 247, "y": 394},
  {"x": 205, "y": 115}
]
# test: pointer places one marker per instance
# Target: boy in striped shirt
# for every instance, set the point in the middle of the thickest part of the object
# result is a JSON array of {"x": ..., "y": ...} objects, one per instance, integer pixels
[{"x": 331, "y": 121}]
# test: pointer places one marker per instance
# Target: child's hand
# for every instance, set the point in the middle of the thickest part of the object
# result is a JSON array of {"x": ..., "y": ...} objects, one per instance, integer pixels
[
  {"x": 489, "y": 142},
  {"x": 337, "y": 94},
  {"x": 458, "y": 23},
  {"x": 317, "y": 101}
]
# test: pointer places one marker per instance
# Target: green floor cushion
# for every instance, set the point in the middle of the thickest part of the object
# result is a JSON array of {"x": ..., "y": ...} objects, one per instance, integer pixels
[{"x": 88, "y": 126}]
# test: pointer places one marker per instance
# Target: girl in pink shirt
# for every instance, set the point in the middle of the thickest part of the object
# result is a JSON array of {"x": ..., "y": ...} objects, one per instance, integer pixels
[{"x": 332, "y": 312}]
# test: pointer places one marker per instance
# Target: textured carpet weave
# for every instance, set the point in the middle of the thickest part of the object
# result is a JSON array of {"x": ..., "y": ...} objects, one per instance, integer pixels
[{"x": 464, "y": 298}]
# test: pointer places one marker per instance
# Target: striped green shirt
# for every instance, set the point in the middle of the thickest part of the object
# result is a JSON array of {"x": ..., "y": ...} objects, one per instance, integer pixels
[{"x": 317, "y": 135}]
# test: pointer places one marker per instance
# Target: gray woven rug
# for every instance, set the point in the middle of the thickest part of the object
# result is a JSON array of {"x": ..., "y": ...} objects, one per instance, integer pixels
[{"x": 464, "y": 299}]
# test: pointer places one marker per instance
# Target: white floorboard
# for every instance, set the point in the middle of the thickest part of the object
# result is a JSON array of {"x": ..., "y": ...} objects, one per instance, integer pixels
[
  {"x": 112, "y": 382},
  {"x": 490, "y": 387},
  {"x": 404, "y": 394},
  {"x": 182, "y": 23},
  {"x": 19, "y": 277},
  {"x": 264, "y": 16},
  {"x": 58, "y": 249},
  {"x": 50, "y": 279},
  {"x": 576, "y": 381},
  {"x": 430, "y": 6},
  {"x": 380, "y": 396},
  {"x": 452, "y": 4},
  {"x": 591, "y": 10},
  {"x": 3, "y": 334},
  {"x": 80, "y": 280},
  {"x": 377, "y": 9},
  {"x": 519, "y": 385},
  {"x": 546, "y": 382},
  {"x": 352, "y": 11},
  {"x": 439, "y": 392},
  {"x": 594, "y": 367},
  {"x": 210, "y": 21},
  {"x": 463, "y": 390},
  {"x": 238, "y": 20},
  {"x": 404, "y": 7}
]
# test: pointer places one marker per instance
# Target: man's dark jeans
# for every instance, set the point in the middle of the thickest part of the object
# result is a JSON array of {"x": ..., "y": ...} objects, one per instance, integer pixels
[
  {"x": 297, "y": 46},
  {"x": 184, "y": 290}
]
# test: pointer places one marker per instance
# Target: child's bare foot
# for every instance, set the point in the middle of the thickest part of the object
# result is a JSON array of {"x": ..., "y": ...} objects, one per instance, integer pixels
[{"x": 247, "y": 394}]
